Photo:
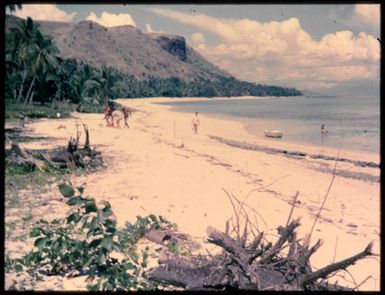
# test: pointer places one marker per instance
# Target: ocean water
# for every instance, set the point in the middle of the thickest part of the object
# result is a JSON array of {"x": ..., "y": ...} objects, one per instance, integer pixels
[{"x": 353, "y": 122}]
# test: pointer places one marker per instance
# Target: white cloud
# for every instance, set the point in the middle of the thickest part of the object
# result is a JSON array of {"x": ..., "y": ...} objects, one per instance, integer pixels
[
  {"x": 283, "y": 51},
  {"x": 368, "y": 13},
  {"x": 48, "y": 12},
  {"x": 197, "y": 38},
  {"x": 111, "y": 20}
]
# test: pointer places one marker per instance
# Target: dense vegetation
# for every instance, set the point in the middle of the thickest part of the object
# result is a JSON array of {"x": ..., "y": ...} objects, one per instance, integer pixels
[{"x": 36, "y": 74}]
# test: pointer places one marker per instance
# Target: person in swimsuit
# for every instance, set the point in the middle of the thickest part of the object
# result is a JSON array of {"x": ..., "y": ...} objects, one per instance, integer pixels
[
  {"x": 127, "y": 114},
  {"x": 323, "y": 129},
  {"x": 195, "y": 122}
]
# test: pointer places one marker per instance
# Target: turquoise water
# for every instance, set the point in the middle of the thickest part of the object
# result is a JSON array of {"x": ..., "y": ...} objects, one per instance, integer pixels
[{"x": 353, "y": 122}]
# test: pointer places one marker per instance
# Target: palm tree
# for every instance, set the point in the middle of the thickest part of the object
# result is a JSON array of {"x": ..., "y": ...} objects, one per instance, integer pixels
[
  {"x": 79, "y": 82},
  {"x": 24, "y": 37},
  {"x": 102, "y": 84},
  {"x": 35, "y": 56},
  {"x": 44, "y": 67},
  {"x": 14, "y": 74}
]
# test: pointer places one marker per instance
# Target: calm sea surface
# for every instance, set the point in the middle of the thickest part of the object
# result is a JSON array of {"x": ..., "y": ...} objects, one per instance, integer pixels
[{"x": 353, "y": 122}]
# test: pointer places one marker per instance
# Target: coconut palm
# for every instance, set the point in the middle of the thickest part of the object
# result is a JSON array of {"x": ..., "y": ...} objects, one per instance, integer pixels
[
  {"x": 102, "y": 84},
  {"x": 34, "y": 56},
  {"x": 79, "y": 83}
]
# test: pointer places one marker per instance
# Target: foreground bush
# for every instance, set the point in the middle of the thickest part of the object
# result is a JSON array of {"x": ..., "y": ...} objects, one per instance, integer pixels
[{"x": 87, "y": 242}]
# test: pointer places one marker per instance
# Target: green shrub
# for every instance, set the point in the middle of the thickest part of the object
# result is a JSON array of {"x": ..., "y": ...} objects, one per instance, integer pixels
[
  {"x": 12, "y": 111},
  {"x": 84, "y": 242}
]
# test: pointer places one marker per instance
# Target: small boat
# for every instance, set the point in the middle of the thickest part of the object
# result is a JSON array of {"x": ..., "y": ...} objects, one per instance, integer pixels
[{"x": 273, "y": 133}]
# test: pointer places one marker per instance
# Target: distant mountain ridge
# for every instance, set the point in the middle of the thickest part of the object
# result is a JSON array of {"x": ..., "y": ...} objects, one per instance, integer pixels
[
  {"x": 157, "y": 63},
  {"x": 128, "y": 49}
]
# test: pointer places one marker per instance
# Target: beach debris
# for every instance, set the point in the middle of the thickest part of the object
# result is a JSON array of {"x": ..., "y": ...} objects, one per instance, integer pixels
[
  {"x": 71, "y": 156},
  {"x": 297, "y": 154},
  {"x": 21, "y": 158},
  {"x": 249, "y": 261},
  {"x": 158, "y": 237},
  {"x": 253, "y": 266}
]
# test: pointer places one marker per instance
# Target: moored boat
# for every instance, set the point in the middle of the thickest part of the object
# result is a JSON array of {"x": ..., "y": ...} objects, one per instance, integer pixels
[{"x": 273, "y": 133}]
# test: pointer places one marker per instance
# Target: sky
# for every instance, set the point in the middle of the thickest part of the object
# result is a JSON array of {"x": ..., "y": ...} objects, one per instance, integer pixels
[{"x": 317, "y": 47}]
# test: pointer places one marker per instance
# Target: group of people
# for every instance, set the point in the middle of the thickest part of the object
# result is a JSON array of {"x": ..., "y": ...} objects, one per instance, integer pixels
[{"x": 113, "y": 117}]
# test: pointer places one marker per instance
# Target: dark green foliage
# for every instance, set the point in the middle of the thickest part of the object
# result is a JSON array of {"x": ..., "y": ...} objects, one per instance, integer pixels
[
  {"x": 174, "y": 87},
  {"x": 131, "y": 234},
  {"x": 83, "y": 243},
  {"x": 12, "y": 170}
]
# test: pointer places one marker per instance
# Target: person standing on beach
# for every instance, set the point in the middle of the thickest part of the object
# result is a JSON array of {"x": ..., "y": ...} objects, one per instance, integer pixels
[
  {"x": 323, "y": 129},
  {"x": 21, "y": 120},
  {"x": 195, "y": 122},
  {"x": 108, "y": 116}
]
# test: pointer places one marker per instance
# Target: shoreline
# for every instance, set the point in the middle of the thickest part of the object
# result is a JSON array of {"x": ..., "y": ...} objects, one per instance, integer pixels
[
  {"x": 300, "y": 155},
  {"x": 159, "y": 166},
  {"x": 308, "y": 148}
]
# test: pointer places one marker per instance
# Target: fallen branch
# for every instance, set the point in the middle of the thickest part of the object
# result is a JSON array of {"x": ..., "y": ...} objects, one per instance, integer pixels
[
  {"x": 70, "y": 157},
  {"x": 226, "y": 242},
  {"x": 323, "y": 272},
  {"x": 287, "y": 232},
  {"x": 235, "y": 267},
  {"x": 20, "y": 157}
]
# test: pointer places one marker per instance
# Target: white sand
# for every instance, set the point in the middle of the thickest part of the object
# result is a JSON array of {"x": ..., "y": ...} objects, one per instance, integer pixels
[{"x": 149, "y": 172}]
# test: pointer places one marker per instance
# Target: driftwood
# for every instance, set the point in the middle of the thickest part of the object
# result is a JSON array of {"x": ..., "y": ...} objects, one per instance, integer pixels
[
  {"x": 70, "y": 157},
  {"x": 21, "y": 158},
  {"x": 157, "y": 236},
  {"x": 252, "y": 266}
]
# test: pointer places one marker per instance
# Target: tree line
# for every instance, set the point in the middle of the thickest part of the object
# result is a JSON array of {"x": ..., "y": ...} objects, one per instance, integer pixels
[{"x": 36, "y": 73}]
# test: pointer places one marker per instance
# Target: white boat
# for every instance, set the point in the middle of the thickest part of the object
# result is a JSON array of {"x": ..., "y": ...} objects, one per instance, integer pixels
[{"x": 273, "y": 133}]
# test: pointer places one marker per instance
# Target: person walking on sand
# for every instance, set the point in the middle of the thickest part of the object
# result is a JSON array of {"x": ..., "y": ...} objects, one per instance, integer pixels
[
  {"x": 127, "y": 114},
  {"x": 195, "y": 122}
]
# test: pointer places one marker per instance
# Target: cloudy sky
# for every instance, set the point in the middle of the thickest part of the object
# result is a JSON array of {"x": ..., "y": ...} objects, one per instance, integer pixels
[{"x": 303, "y": 46}]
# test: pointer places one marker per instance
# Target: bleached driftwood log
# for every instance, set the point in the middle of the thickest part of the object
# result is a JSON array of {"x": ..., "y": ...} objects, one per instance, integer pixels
[{"x": 253, "y": 266}]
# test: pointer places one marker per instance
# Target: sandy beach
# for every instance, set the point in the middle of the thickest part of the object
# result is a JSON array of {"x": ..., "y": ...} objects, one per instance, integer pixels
[{"x": 160, "y": 166}]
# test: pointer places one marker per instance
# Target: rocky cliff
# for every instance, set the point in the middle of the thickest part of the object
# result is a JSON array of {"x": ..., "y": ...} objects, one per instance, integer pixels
[{"x": 176, "y": 45}]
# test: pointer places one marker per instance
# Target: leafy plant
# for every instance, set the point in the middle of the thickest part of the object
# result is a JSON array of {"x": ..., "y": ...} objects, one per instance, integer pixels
[
  {"x": 85, "y": 242},
  {"x": 132, "y": 233}
]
